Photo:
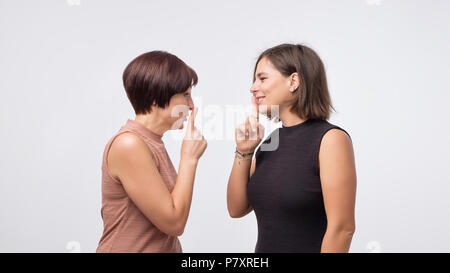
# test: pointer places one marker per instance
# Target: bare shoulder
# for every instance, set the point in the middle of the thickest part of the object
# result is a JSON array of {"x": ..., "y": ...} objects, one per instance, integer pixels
[
  {"x": 336, "y": 137},
  {"x": 336, "y": 145},
  {"x": 125, "y": 143},
  {"x": 336, "y": 150},
  {"x": 126, "y": 149}
]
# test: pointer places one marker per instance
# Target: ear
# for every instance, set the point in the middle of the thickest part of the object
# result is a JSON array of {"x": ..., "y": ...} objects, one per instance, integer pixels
[{"x": 294, "y": 82}]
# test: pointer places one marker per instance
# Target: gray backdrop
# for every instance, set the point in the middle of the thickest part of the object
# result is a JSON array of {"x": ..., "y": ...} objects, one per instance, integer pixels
[{"x": 62, "y": 98}]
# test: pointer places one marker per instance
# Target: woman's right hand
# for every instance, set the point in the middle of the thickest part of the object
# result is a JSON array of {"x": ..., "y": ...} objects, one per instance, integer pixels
[
  {"x": 194, "y": 144},
  {"x": 250, "y": 133}
]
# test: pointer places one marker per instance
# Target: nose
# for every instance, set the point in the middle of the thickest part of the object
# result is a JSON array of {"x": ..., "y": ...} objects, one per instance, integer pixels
[
  {"x": 191, "y": 104},
  {"x": 254, "y": 88}
]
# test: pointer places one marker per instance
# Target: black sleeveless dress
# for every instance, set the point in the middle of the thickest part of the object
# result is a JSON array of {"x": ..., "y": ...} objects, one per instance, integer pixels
[{"x": 285, "y": 190}]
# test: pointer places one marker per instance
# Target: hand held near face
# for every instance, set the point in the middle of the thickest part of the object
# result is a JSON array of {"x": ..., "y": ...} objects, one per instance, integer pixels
[
  {"x": 194, "y": 144},
  {"x": 250, "y": 133}
]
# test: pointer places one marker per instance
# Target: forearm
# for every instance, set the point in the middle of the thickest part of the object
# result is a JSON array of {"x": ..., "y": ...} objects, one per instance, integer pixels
[
  {"x": 237, "y": 186},
  {"x": 183, "y": 190},
  {"x": 336, "y": 240}
]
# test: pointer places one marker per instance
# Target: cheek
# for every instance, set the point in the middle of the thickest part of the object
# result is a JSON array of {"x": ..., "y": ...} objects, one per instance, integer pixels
[
  {"x": 269, "y": 89},
  {"x": 178, "y": 99},
  {"x": 177, "y": 109},
  {"x": 278, "y": 92},
  {"x": 270, "y": 86}
]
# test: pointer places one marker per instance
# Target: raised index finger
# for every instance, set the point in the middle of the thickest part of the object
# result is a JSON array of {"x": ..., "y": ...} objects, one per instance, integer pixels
[
  {"x": 255, "y": 108},
  {"x": 192, "y": 118}
]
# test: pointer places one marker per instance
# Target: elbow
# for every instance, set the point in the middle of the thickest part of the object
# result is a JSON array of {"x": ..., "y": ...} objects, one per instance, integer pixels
[
  {"x": 174, "y": 231},
  {"x": 343, "y": 229},
  {"x": 235, "y": 213},
  {"x": 179, "y": 229},
  {"x": 175, "y": 228},
  {"x": 231, "y": 211},
  {"x": 348, "y": 232},
  {"x": 178, "y": 232},
  {"x": 237, "y": 208},
  {"x": 350, "y": 229}
]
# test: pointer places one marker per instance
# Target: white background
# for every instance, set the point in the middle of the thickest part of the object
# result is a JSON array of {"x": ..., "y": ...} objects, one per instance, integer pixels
[{"x": 61, "y": 64}]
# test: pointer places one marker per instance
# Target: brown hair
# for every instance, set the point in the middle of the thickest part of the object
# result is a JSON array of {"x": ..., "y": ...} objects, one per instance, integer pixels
[
  {"x": 154, "y": 77},
  {"x": 312, "y": 99}
]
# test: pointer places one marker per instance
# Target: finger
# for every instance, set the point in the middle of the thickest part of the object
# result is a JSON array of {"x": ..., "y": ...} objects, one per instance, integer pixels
[
  {"x": 192, "y": 119},
  {"x": 257, "y": 128},
  {"x": 255, "y": 108},
  {"x": 260, "y": 131},
  {"x": 253, "y": 122},
  {"x": 196, "y": 134},
  {"x": 253, "y": 128},
  {"x": 200, "y": 135},
  {"x": 240, "y": 132},
  {"x": 247, "y": 127}
]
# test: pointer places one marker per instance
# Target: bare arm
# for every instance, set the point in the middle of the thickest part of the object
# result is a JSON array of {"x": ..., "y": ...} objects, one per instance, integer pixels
[
  {"x": 338, "y": 179},
  {"x": 237, "y": 201},
  {"x": 248, "y": 136}
]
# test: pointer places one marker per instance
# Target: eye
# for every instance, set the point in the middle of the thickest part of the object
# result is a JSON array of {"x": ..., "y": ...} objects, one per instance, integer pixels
[
  {"x": 186, "y": 94},
  {"x": 262, "y": 79}
]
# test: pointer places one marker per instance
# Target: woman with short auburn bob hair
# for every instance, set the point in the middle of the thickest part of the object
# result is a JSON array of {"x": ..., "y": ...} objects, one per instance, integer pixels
[
  {"x": 145, "y": 203},
  {"x": 302, "y": 183}
]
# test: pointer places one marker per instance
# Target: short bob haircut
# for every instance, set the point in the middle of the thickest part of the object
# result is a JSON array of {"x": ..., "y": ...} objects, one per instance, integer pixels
[
  {"x": 154, "y": 77},
  {"x": 312, "y": 99}
]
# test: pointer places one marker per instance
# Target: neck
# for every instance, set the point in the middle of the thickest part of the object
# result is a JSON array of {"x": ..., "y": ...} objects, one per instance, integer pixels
[
  {"x": 289, "y": 118},
  {"x": 152, "y": 122}
]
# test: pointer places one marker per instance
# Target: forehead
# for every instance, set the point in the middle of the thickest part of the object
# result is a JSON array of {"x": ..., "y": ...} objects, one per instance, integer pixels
[{"x": 264, "y": 66}]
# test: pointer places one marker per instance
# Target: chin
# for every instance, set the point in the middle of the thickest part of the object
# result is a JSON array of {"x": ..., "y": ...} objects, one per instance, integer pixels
[{"x": 268, "y": 113}]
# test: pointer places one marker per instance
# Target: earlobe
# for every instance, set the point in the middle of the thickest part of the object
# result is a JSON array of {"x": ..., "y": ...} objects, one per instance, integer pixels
[{"x": 295, "y": 82}]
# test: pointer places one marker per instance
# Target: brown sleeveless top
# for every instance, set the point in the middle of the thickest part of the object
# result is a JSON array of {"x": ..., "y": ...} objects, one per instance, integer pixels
[{"x": 125, "y": 227}]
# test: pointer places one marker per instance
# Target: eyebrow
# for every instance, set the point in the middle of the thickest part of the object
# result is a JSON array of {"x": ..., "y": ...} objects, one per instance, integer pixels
[{"x": 261, "y": 73}]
